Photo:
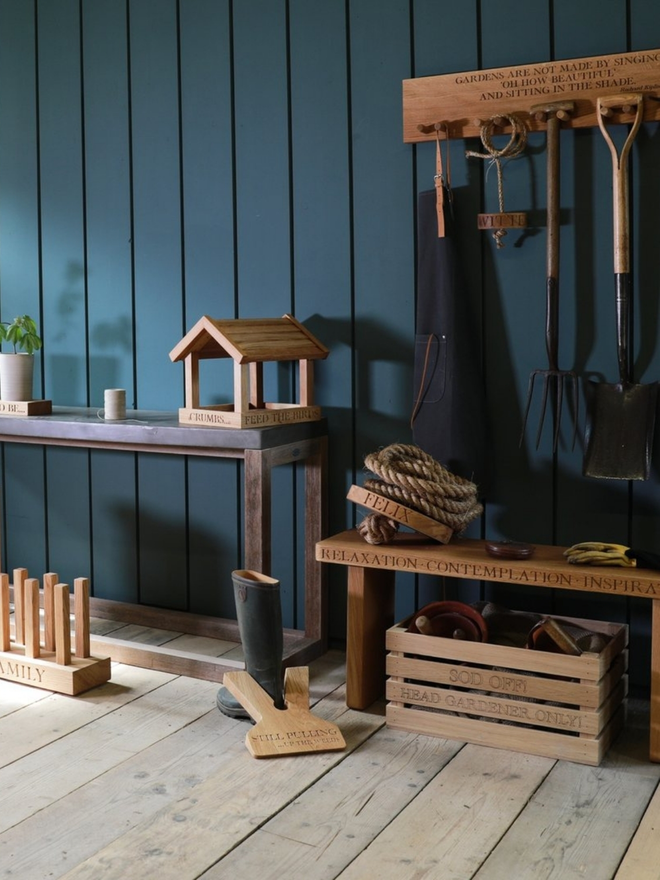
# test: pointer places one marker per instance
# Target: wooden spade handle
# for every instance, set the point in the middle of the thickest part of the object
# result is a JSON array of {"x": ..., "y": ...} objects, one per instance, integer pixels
[{"x": 620, "y": 174}]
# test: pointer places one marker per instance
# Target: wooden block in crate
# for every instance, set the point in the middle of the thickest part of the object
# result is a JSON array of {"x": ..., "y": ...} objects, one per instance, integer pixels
[{"x": 537, "y": 702}]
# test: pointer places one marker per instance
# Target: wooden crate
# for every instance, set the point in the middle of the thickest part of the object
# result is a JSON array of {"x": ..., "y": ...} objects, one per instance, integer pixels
[{"x": 536, "y": 702}]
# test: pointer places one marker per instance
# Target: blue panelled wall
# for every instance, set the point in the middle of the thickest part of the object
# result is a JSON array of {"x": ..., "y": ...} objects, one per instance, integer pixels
[{"x": 164, "y": 159}]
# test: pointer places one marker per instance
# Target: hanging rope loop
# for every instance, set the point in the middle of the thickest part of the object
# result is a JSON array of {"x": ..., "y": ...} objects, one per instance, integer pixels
[{"x": 512, "y": 149}]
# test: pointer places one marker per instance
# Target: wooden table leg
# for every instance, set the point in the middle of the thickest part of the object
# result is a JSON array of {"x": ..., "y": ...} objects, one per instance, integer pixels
[
  {"x": 256, "y": 553},
  {"x": 654, "y": 747},
  {"x": 370, "y": 613},
  {"x": 316, "y": 514}
]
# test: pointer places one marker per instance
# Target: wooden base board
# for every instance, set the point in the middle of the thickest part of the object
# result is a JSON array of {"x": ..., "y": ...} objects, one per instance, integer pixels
[
  {"x": 404, "y": 515},
  {"x": 26, "y": 407},
  {"x": 43, "y": 672},
  {"x": 223, "y": 415}
]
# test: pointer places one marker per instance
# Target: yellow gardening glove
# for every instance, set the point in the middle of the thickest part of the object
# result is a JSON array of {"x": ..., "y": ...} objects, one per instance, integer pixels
[{"x": 599, "y": 553}]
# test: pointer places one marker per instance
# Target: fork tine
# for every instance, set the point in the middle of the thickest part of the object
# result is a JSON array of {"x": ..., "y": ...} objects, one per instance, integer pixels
[
  {"x": 546, "y": 387},
  {"x": 530, "y": 392},
  {"x": 576, "y": 405},
  {"x": 557, "y": 397},
  {"x": 559, "y": 402}
]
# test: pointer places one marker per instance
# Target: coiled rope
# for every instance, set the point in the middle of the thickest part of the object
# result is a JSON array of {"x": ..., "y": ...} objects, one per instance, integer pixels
[
  {"x": 415, "y": 479},
  {"x": 514, "y": 147}
]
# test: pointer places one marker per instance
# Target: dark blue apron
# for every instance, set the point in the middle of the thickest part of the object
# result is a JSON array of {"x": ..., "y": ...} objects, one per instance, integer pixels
[{"x": 449, "y": 410}]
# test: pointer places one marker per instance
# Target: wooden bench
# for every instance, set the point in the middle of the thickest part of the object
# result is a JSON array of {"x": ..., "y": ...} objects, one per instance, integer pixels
[{"x": 371, "y": 571}]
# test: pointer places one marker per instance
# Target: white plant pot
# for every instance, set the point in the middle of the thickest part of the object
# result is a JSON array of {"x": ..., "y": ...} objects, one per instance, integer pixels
[{"x": 16, "y": 376}]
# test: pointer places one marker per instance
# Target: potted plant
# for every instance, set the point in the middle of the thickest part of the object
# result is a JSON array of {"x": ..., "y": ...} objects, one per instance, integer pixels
[{"x": 17, "y": 367}]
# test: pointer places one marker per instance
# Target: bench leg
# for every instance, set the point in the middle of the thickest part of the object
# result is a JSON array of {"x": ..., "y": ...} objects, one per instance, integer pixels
[
  {"x": 370, "y": 613},
  {"x": 654, "y": 750}
]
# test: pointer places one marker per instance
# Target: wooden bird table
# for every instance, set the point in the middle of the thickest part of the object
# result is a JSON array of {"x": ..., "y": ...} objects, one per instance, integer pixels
[{"x": 371, "y": 572}]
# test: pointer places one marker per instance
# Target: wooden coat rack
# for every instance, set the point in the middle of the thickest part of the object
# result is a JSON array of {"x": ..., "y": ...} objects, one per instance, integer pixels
[{"x": 455, "y": 105}]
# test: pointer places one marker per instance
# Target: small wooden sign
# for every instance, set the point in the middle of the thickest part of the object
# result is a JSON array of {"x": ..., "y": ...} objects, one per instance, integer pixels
[
  {"x": 509, "y": 220},
  {"x": 291, "y": 731},
  {"x": 401, "y": 514},
  {"x": 224, "y": 416},
  {"x": 26, "y": 407}
]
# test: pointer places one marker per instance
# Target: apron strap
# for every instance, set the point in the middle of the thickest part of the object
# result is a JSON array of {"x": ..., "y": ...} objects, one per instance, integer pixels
[{"x": 442, "y": 183}]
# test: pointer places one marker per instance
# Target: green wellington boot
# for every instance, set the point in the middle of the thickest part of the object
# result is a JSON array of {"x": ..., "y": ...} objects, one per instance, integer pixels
[{"x": 259, "y": 615}]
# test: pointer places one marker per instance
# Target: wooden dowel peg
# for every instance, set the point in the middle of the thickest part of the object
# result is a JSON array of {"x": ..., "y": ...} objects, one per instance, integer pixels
[
  {"x": 435, "y": 127},
  {"x": 62, "y": 625},
  {"x": 4, "y": 612},
  {"x": 50, "y": 579},
  {"x": 32, "y": 627},
  {"x": 81, "y": 615},
  {"x": 19, "y": 614}
]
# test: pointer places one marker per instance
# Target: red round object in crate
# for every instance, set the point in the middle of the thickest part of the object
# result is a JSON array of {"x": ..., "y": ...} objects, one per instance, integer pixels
[{"x": 452, "y": 620}]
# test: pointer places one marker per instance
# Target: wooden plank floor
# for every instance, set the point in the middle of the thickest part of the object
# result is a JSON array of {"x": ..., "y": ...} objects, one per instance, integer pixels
[{"x": 144, "y": 778}]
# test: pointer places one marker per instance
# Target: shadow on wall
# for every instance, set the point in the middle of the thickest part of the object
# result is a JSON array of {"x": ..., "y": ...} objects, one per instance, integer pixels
[
  {"x": 154, "y": 571},
  {"x": 383, "y": 377},
  {"x": 604, "y": 495}
]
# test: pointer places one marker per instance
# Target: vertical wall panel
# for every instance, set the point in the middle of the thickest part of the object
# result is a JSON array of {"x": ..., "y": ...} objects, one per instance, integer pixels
[
  {"x": 447, "y": 44},
  {"x": 108, "y": 199},
  {"x": 64, "y": 272},
  {"x": 24, "y": 510},
  {"x": 156, "y": 198},
  {"x": 19, "y": 230},
  {"x": 109, "y": 285},
  {"x": 207, "y": 174},
  {"x": 263, "y": 218},
  {"x": 62, "y": 226},
  {"x": 588, "y": 506},
  {"x": 163, "y": 578},
  {"x": 207, "y": 160},
  {"x": 24, "y": 532},
  {"x": 113, "y": 525},
  {"x": 519, "y": 503},
  {"x": 158, "y": 288},
  {"x": 383, "y": 210},
  {"x": 68, "y": 510},
  {"x": 322, "y": 231}
]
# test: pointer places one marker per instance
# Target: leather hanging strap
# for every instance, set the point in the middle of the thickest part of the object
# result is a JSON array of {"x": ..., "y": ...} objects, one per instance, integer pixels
[{"x": 442, "y": 183}]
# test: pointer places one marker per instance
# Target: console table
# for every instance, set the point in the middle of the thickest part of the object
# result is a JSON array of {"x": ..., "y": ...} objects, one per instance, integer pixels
[
  {"x": 371, "y": 571},
  {"x": 261, "y": 449}
]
